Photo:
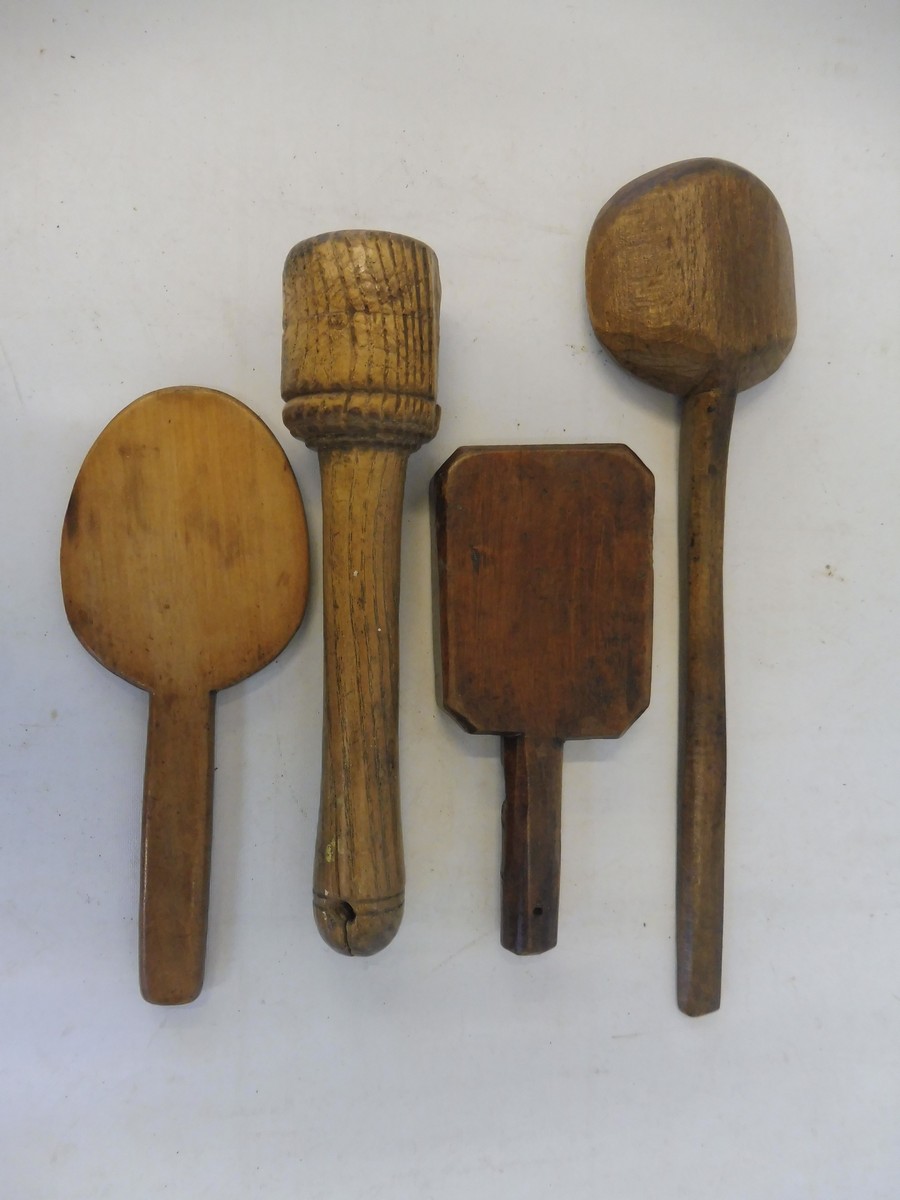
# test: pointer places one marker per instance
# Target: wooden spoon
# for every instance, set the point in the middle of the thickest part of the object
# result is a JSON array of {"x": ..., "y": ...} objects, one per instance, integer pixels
[
  {"x": 545, "y": 588},
  {"x": 185, "y": 568},
  {"x": 690, "y": 286}
]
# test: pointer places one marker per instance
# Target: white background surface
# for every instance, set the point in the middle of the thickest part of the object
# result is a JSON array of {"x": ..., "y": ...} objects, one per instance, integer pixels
[{"x": 158, "y": 163}]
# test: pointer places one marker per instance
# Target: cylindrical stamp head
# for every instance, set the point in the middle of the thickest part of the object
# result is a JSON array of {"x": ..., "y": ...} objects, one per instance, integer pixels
[{"x": 361, "y": 314}]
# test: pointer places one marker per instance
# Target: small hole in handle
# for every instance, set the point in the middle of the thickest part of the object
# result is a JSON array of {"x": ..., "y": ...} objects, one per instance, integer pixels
[{"x": 537, "y": 911}]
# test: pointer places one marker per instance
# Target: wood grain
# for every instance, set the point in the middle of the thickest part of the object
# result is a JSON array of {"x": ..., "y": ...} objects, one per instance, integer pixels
[
  {"x": 359, "y": 363},
  {"x": 690, "y": 286},
  {"x": 543, "y": 559},
  {"x": 532, "y": 843},
  {"x": 185, "y": 568}
]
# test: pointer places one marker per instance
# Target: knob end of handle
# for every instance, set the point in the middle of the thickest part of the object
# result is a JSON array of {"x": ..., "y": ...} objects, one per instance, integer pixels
[{"x": 358, "y": 930}]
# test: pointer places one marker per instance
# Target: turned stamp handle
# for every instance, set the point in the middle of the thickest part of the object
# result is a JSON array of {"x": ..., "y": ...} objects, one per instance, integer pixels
[{"x": 358, "y": 377}]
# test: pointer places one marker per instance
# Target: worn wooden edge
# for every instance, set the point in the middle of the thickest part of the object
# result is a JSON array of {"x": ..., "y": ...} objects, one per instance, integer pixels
[{"x": 355, "y": 234}]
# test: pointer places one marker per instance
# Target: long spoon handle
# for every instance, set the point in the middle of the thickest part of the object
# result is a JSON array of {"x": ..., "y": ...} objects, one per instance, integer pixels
[
  {"x": 705, "y": 434},
  {"x": 175, "y": 846}
]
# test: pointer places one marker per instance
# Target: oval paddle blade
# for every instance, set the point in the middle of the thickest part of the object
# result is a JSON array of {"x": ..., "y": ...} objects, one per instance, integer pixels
[{"x": 184, "y": 553}]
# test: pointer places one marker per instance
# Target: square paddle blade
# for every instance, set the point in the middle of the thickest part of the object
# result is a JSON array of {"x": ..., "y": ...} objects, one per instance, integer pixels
[{"x": 545, "y": 581}]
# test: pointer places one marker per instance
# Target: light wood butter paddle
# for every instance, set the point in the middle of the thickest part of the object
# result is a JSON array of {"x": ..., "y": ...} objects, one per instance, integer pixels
[
  {"x": 543, "y": 558},
  {"x": 690, "y": 286},
  {"x": 185, "y": 568}
]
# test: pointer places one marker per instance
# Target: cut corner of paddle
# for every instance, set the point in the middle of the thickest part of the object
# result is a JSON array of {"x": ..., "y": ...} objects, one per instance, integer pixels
[
  {"x": 544, "y": 578},
  {"x": 185, "y": 566}
]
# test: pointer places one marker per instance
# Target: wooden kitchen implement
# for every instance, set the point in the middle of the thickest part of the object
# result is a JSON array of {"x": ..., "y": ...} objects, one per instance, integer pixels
[
  {"x": 543, "y": 559},
  {"x": 358, "y": 377},
  {"x": 184, "y": 569},
  {"x": 690, "y": 286}
]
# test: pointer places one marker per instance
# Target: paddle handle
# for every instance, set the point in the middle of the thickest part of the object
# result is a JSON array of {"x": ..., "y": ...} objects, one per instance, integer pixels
[
  {"x": 705, "y": 433},
  {"x": 531, "y": 843},
  {"x": 176, "y": 838}
]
